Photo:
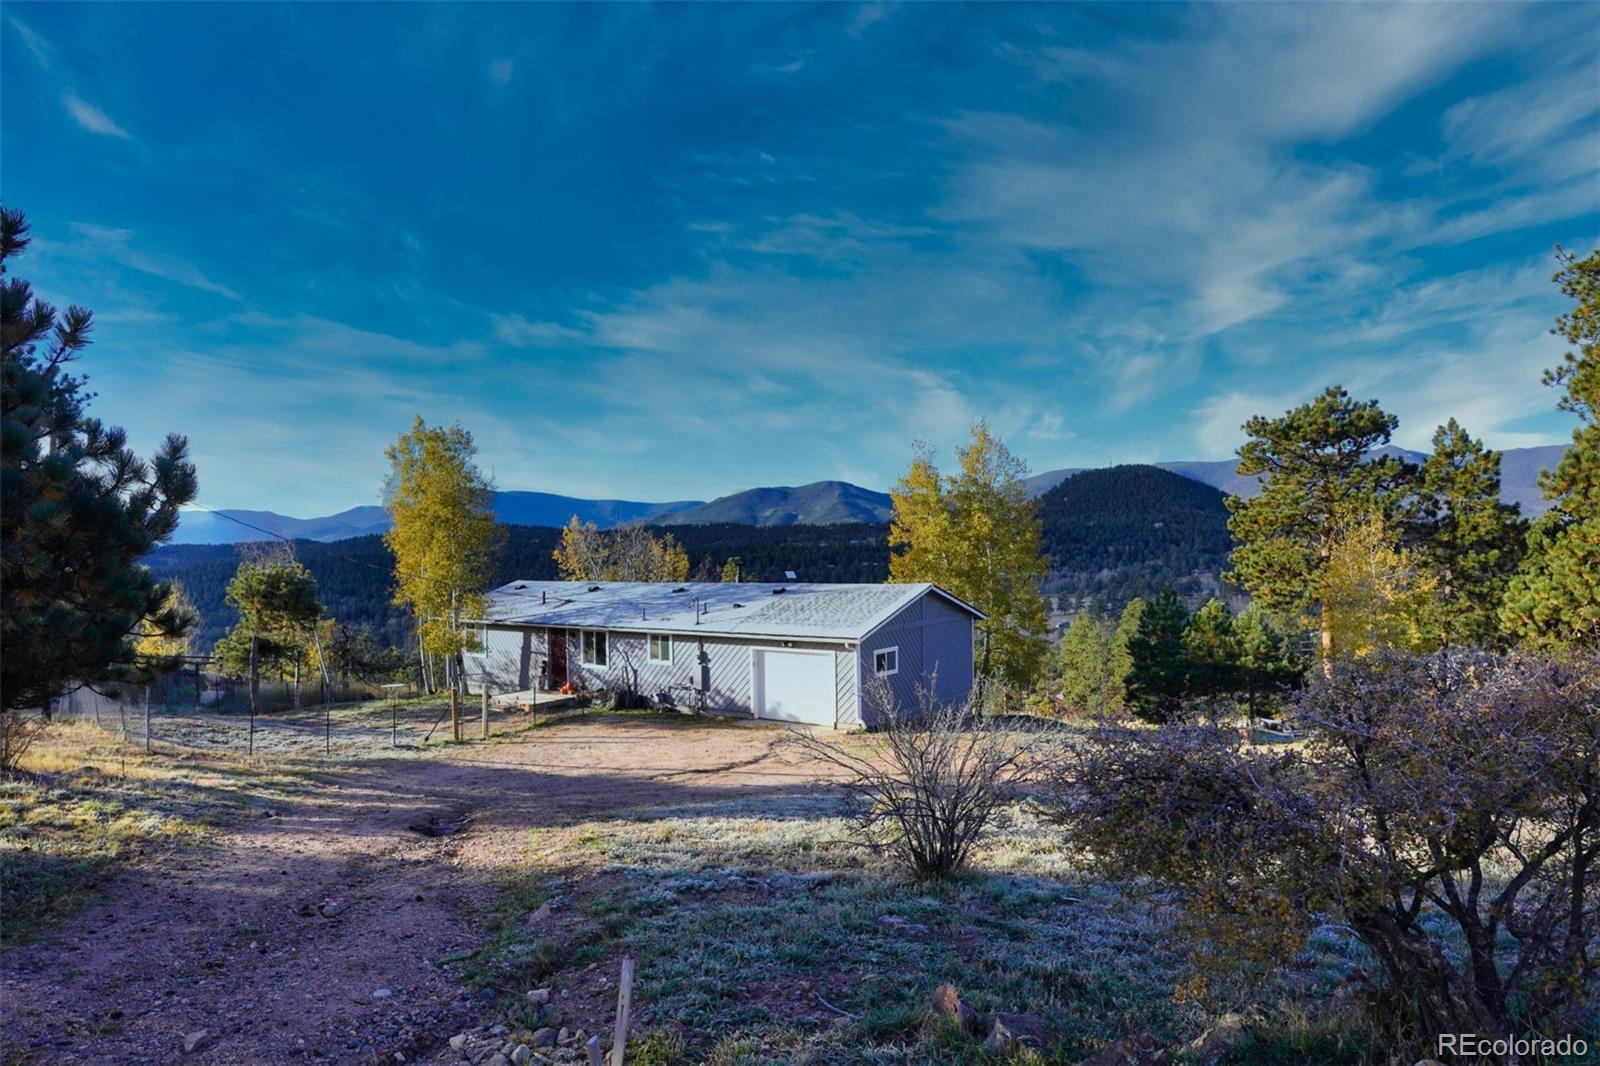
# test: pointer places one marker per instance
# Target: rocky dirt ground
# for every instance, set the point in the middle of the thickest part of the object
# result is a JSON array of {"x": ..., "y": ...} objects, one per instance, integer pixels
[{"x": 322, "y": 928}]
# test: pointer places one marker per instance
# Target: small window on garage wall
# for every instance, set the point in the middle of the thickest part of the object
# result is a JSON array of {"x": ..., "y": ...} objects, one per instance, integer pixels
[
  {"x": 661, "y": 647},
  {"x": 594, "y": 648},
  {"x": 886, "y": 661}
]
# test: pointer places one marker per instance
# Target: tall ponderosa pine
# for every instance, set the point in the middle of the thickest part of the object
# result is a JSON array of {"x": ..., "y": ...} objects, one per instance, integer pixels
[
  {"x": 445, "y": 537},
  {"x": 976, "y": 534},
  {"x": 78, "y": 510},
  {"x": 1158, "y": 679},
  {"x": 1460, "y": 531},
  {"x": 1554, "y": 599},
  {"x": 1316, "y": 467}
]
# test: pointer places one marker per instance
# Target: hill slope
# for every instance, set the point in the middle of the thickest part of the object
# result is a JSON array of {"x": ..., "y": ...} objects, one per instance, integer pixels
[
  {"x": 819, "y": 503},
  {"x": 1129, "y": 531},
  {"x": 1519, "y": 474}
]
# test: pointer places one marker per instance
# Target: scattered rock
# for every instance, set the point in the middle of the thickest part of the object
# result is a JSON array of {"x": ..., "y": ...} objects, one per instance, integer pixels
[
  {"x": 1030, "y": 1030},
  {"x": 903, "y": 926},
  {"x": 1141, "y": 1050},
  {"x": 541, "y": 915},
  {"x": 497, "y": 1030},
  {"x": 332, "y": 908},
  {"x": 947, "y": 1003},
  {"x": 520, "y": 1055},
  {"x": 499, "y": 1060},
  {"x": 194, "y": 1041},
  {"x": 999, "y": 1041},
  {"x": 458, "y": 1041},
  {"x": 1210, "y": 1046},
  {"x": 539, "y": 995},
  {"x": 545, "y": 1037},
  {"x": 381, "y": 993}
]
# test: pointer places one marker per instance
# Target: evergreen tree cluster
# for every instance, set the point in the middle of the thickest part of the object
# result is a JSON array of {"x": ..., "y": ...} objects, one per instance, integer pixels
[{"x": 1163, "y": 663}]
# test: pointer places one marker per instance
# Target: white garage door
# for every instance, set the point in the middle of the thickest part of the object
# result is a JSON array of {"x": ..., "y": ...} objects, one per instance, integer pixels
[{"x": 794, "y": 686}]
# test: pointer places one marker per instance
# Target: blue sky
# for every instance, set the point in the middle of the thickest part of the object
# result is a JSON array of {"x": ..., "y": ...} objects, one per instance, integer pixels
[{"x": 671, "y": 252}]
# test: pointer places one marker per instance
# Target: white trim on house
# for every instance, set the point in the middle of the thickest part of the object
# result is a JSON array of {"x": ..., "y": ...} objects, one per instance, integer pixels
[
  {"x": 658, "y": 648},
  {"x": 882, "y": 671},
  {"x": 601, "y": 653}
]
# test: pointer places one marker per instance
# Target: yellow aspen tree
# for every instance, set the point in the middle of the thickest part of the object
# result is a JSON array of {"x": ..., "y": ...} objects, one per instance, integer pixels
[{"x": 444, "y": 538}]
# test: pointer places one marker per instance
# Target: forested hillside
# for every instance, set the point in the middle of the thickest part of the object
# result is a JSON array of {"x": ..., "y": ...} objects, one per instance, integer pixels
[
  {"x": 355, "y": 577},
  {"x": 1111, "y": 535},
  {"x": 1128, "y": 531}
]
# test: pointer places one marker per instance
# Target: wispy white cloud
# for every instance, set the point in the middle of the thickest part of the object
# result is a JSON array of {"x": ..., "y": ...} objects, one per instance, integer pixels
[
  {"x": 92, "y": 118},
  {"x": 519, "y": 332},
  {"x": 118, "y": 245}
]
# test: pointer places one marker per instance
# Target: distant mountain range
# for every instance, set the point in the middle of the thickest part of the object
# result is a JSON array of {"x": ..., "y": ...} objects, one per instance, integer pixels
[{"x": 819, "y": 503}]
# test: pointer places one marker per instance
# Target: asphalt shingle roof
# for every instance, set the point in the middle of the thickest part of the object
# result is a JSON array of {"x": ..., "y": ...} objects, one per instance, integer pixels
[{"x": 801, "y": 610}]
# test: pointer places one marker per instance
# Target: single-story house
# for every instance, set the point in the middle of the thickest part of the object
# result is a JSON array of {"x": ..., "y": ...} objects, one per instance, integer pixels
[{"x": 796, "y": 652}]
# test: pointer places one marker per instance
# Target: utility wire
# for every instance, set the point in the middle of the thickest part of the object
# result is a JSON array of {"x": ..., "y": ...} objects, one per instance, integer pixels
[{"x": 288, "y": 540}]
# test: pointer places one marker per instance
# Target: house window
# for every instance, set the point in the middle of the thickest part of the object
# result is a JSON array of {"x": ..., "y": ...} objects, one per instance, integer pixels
[
  {"x": 594, "y": 648},
  {"x": 661, "y": 647},
  {"x": 886, "y": 661}
]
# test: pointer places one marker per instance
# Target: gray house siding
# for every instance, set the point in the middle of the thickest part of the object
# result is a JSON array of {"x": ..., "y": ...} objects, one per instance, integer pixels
[
  {"x": 933, "y": 639},
  {"x": 513, "y": 659}
]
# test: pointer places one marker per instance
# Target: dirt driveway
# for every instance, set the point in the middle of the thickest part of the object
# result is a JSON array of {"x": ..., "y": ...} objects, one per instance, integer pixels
[{"x": 315, "y": 931}]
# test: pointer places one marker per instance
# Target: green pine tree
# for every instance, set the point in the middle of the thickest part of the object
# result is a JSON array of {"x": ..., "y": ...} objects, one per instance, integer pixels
[
  {"x": 1158, "y": 680},
  {"x": 1461, "y": 533},
  {"x": 1211, "y": 655},
  {"x": 1121, "y": 657},
  {"x": 78, "y": 510},
  {"x": 1554, "y": 599},
  {"x": 1269, "y": 660},
  {"x": 1088, "y": 682},
  {"x": 1315, "y": 467}
]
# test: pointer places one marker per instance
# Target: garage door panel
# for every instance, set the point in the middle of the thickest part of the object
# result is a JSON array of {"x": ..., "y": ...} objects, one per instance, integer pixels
[{"x": 795, "y": 686}]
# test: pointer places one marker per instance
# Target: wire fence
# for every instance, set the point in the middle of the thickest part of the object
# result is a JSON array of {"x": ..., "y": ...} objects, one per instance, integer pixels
[{"x": 215, "y": 717}]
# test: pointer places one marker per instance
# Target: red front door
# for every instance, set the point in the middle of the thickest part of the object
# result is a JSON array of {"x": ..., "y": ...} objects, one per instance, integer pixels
[{"x": 558, "y": 657}]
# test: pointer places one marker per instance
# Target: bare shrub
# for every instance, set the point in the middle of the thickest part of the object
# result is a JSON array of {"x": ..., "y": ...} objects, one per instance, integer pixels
[
  {"x": 1445, "y": 811},
  {"x": 18, "y": 731},
  {"x": 925, "y": 793}
]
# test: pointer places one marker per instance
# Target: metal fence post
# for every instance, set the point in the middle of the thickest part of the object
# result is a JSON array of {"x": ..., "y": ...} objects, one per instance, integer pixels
[{"x": 486, "y": 710}]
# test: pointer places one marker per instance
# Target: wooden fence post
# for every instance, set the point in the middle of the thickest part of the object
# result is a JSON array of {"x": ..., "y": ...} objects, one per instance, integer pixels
[
  {"x": 147, "y": 719},
  {"x": 455, "y": 712},
  {"x": 619, "y": 1039}
]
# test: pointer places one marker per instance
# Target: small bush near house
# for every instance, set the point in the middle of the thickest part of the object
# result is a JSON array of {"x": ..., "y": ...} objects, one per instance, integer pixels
[
  {"x": 1445, "y": 810},
  {"x": 928, "y": 791}
]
